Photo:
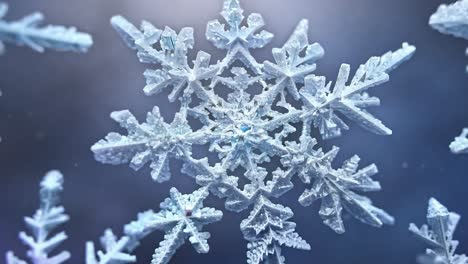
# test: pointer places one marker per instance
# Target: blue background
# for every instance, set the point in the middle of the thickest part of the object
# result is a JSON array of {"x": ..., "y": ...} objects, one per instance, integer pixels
[{"x": 56, "y": 105}]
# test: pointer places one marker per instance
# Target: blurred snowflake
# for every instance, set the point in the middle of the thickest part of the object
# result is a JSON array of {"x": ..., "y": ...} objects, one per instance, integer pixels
[
  {"x": 26, "y": 32},
  {"x": 47, "y": 218},
  {"x": 439, "y": 236},
  {"x": 453, "y": 20},
  {"x": 246, "y": 130}
]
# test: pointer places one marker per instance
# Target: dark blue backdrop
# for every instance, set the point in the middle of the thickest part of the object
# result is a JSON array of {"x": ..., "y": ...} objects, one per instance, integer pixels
[{"x": 55, "y": 106}]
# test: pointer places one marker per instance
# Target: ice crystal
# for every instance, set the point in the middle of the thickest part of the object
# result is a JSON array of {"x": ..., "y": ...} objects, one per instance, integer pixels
[
  {"x": 47, "y": 218},
  {"x": 27, "y": 32},
  {"x": 439, "y": 236},
  {"x": 453, "y": 19},
  {"x": 182, "y": 217},
  {"x": 247, "y": 131}
]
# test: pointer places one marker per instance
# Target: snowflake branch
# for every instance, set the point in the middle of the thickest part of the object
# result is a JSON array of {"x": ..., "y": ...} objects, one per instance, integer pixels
[
  {"x": 26, "y": 32},
  {"x": 48, "y": 217}
]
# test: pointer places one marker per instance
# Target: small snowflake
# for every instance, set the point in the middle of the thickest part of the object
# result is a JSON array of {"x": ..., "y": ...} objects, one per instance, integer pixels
[{"x": 181, "y": 217}]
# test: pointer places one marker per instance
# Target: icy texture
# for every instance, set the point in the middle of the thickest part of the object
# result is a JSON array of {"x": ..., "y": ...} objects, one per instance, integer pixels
[
  {"x": 181, "y": 217},
  {"x": 248, "y": 130},
  {"x": 27, "y": 32},
  {"x": 42, "y": 225},
  {"x": 439, "y": 236}
]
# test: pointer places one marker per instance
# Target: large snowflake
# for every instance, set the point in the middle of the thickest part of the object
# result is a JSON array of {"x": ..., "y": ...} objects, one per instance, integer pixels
[{"x": 247, "y": 130}]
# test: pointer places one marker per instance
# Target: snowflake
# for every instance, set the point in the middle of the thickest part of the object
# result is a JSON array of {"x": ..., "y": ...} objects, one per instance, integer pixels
[
  {"x": 439, "y": 236},
  {"x": 47, "y": 218},
  {"x": 453, "y": 19},
  {"x": 181, "y": 217},
  {"x": 247, "y": 131},
  {"x": 26, "y": 32}
]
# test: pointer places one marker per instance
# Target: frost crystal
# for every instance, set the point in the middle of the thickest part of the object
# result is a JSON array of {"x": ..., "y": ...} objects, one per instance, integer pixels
[
  {"x": 182, "y": 217},
  {"x": 439, "y": 236},
  {"x": 248, "y": 130},
  {"x": 26, "y": 32},
  {"x": 453, "y": 19},
  {"x": 47, "y": 218}
]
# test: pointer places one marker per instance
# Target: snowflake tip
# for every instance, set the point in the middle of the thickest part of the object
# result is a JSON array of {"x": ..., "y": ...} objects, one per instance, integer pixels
[
  {"x": 232, "y": 12},
  {"x": 300, "y": 35},
  {"x": 127, "y": 31},
  {"x": 436, "y": 209},
  {"x": 52, "y": 181}
]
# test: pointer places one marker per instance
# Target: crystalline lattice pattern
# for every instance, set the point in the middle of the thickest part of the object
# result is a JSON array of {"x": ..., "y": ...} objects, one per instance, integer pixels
[{"x": 247, "y": 131}]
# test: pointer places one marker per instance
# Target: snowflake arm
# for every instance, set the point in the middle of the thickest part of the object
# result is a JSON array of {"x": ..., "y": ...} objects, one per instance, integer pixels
[
  {"x": 238, "y": 39},
  {"x": 438, "y": 236},
  {"x": 114, "y": 250},
  {"x": 290, "y": 66},
  {"x": 336, "y": 188},
  {"x": 267, "y": 229},
  {"x": 321, "y": 103},
  {"x": 153, "y": 141},
  {"x": 175, "y": 70},
  {"x": 12, "y": 259},
  {"x": 26, "y": 32},
  {"x": 47, "y": 218}
]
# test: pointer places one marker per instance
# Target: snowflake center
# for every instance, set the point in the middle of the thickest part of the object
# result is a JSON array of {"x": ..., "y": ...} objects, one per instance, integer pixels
[{"x": 244, "y": 127}]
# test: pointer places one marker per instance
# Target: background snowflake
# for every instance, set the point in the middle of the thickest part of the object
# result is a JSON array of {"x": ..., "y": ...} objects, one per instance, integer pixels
[
  {"x": 453, "y": 20},
  {"x": 28, "y": 32}
]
